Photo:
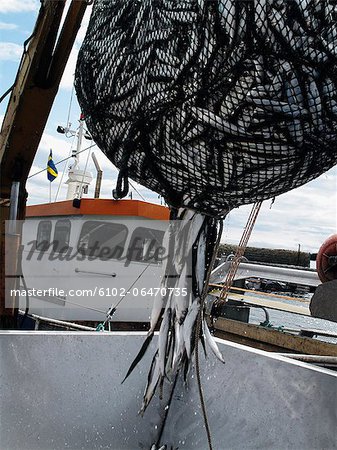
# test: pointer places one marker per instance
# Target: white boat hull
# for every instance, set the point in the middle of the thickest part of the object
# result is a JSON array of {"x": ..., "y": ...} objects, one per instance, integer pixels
[{"x": 79, "y": 287}]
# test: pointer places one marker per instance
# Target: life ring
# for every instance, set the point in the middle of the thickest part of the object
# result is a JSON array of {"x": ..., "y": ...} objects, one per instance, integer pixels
[{"x": 326, "y": 260}]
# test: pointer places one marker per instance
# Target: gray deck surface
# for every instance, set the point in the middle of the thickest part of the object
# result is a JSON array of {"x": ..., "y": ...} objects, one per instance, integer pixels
[{"x": 62, "y": 390}]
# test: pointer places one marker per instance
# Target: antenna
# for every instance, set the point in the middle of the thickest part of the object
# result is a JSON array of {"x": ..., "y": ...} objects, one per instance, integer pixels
[
  {"x": 99, "y": 176},
  {"x": 79, "y": 180}
]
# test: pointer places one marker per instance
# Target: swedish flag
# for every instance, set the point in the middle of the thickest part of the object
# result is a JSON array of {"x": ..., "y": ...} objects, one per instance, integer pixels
[{"x": 51, "y": 168}]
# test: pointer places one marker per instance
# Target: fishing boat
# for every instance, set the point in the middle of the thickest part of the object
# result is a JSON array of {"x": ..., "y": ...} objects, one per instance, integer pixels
[
  {"x": 86, "y": 258},
  {"x": 81, "y": 284}
]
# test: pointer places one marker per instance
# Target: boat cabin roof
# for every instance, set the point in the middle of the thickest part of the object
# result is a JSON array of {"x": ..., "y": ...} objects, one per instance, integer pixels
[{"x": 99, "y": 206}]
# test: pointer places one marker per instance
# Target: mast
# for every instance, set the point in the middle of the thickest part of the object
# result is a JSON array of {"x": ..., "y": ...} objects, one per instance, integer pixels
[{"x": 78, "y": 180}]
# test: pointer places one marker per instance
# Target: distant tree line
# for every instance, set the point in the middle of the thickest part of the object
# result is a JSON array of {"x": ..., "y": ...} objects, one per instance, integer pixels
[{"x": 268, "y": 255}]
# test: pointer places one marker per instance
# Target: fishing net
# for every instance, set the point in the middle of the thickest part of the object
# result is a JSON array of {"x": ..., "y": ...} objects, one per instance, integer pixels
[{"x": 212, "y": 104}]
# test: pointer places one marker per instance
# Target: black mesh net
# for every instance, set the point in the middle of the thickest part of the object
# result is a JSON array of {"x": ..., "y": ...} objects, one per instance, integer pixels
[{"x": 212, "y": 104}]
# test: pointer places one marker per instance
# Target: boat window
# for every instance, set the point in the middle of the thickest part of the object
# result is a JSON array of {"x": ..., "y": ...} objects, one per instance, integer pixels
[
  {"x": 61, "y": 235},
  {"x": 146, "y": 245},
  {"x": 43, "y": 235},
  {"x": 104, "y": 240}
]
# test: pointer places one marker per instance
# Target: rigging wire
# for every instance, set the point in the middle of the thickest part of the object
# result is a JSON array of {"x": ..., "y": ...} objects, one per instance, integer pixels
[
  {"x": 26, "y": 42},
  {"x": 112, "y": 309},
  {"x": 70, "y": 105},
  {"x": 84, "y": 172},
  {"x": 64, "y": 169},
  {"x": 239, "y": 252},
  {"x": 133, "y": 187},
  {"x": 198, "y": 330},
  {"x": 131, "y": 286},
  {"x": 61, "y": 161},
  {"x": 4, "y": 95},
  {"x": 81, "y": 151},
  {"x": 65, "y": 301}
]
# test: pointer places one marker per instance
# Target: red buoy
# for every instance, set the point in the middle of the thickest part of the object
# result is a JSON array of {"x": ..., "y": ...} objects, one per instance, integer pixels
[{"x": 326, "y": 260}]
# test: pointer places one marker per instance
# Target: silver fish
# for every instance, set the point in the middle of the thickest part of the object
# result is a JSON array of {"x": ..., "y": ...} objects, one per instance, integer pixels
[
  {"x": 227, "y": 10},
  {"x": 211, "y": 342},
  {"x": 152, "y": 382},
  {"x": 217, "y": 122}
]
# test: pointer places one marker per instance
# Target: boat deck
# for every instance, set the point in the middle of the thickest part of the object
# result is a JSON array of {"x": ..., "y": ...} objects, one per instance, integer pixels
[{"x": 77, "y": 401}]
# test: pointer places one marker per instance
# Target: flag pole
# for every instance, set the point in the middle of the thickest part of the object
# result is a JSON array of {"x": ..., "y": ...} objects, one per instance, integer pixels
[{"x": 51, "y": 172}]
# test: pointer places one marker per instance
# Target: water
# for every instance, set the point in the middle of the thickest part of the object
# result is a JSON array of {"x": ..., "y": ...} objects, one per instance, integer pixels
[{"x": 290, "y": 320}]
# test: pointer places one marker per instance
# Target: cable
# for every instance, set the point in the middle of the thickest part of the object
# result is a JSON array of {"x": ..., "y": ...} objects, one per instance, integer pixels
[
  {"x": 130, "y": 287},
  {"x": 137, "y": 191},
  {"x": 65, "y": 159},
  {"x": 240, "y": 251},
  {"x": 197, "y": 334},
  {"x": 70, "y": 104},
  {"x": 112, "y": 309},
  {"x": 64, "y": 169},
  {"x": 70, "y": 151},
  {"x": 61, "y": 161},
  {"x": 4, "y": 95}
]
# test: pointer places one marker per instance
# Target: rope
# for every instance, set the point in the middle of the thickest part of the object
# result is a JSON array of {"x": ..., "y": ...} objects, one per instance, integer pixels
[
  {"x": 201, "y": 395},
  {"x": 240, "y": 251},
  {"x": 267, "y": 294},
  {"x": 166, "y": 411},
  {"x": 197, "y": 334},
  {"x": 9, "y": 90}
]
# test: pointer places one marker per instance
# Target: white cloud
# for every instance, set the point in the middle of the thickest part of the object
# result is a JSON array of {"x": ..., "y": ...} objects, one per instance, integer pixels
[
  {"x": 84, "y": 25},
  {"x": 67, "y": 80},
  {"x": 8, "y": 26},
  {"x": 10, "y": 51},
  {"x": 38, "y": 186},
  {"x": 17, "y": 6},
  {"x": 305, "y": 216},
  {"x": 60, "y": 146}
]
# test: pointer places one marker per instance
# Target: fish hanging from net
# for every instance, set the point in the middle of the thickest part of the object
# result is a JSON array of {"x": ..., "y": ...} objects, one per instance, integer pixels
[{"x": 213, "y": 105}]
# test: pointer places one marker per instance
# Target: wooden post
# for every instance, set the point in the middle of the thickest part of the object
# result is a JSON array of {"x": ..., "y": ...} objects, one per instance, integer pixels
[{"x": 36, "y": 86}]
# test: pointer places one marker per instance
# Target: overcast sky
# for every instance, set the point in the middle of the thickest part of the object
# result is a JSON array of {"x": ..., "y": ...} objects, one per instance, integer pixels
[{"x": 305, "y": 216}]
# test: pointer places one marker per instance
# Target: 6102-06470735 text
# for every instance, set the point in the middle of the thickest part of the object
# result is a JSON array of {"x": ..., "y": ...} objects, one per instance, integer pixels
[{"x": 100, "y": 292}]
